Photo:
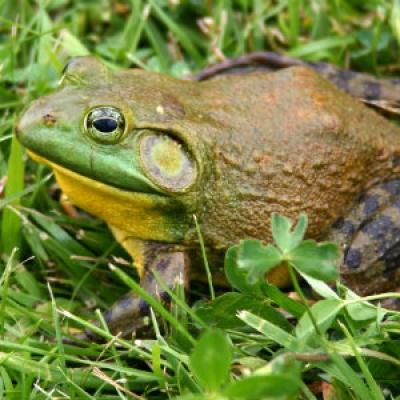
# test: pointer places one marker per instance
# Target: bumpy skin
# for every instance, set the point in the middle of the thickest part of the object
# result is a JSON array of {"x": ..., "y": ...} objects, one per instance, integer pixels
[
  {"x": 364, "y": 86},
  {"x": 242, "y": 148}
]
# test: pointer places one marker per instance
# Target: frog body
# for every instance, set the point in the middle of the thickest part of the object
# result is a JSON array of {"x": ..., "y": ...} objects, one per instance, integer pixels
[{"x": 145, "y": 152}]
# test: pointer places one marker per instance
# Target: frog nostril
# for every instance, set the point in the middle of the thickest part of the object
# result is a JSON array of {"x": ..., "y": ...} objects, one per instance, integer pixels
[{"x": 49, "y": 119}]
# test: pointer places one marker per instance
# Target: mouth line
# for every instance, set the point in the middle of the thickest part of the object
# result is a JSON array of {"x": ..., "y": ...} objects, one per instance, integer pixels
[{"x": 80, "y": 176}]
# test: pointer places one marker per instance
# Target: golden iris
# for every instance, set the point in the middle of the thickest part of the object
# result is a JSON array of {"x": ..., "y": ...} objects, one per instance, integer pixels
[{"x": 105, "y": 125}]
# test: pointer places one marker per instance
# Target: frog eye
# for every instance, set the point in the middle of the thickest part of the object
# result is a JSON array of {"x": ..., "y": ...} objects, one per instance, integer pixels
[
  {"x": 167, "y": 162},
  {"x": 105, "y": 125}
]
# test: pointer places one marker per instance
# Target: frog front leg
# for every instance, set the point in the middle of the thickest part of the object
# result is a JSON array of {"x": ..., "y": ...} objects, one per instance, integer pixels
[
  {"x": 130, "y": 313},
  {"x": 369, "y": 236}
]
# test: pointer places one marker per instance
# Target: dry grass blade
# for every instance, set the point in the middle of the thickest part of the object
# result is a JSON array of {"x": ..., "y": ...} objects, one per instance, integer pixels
[{"x": 386, "y": 107}]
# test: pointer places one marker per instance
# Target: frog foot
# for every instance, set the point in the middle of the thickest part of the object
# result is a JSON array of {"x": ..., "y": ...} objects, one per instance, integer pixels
[
  {"x": 369, "y": 235},
  {"x": 130, "y": 315}
]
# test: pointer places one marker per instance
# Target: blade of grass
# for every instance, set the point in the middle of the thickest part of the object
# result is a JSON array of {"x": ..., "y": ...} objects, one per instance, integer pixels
[
  {"x": 339, "y": 368},
  {"x": 272, "y": 331},
  {"x": 183, "y": 36},
  {"x": 11, "y": 222},
  {"x": 294, "y": 11},
  {"x": 135, "y": 26},
  {"x": 309, "y": 50},
  {"x": 374, "y": 389}
]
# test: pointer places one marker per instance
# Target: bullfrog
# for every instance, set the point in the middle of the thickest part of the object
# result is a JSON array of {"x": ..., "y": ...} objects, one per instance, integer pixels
[{"x": 146, "y": 152}]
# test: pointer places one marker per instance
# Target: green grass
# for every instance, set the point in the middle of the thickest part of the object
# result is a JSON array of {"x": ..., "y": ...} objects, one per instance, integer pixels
[{"x": 54, "y": 265}]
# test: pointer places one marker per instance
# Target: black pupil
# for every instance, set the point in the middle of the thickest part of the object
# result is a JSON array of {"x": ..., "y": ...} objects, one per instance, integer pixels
[{"x": 105, "y": 125}]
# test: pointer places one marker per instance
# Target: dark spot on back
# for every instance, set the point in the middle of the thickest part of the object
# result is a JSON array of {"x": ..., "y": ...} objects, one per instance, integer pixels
[
  {"x": 125, "y": 302},
  {"x": 144, "y": 307},
  {"x": 347, "y": 74},
  {"x": 384, "y": 232},
  {"x": 338, "y": 223},
  {"x": 361, "y": 197},
  {"x": 162, "y": 263},
  {"x": 372, "y": 90},
  {"x": 340, "y": 82},
  {"x": 379, "y": 227},
  {"x": 371, "y": 204},
  {"x": 393, "y": 187},
  {"x": 391, "y": 258},
  {"x": 165, "y": 297},
  {"x": 344, "y": 226},
  {"x": 353, "y": 258}
]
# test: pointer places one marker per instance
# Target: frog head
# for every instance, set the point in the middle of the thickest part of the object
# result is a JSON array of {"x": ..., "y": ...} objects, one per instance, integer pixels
[{"x": 118, "y": 149}]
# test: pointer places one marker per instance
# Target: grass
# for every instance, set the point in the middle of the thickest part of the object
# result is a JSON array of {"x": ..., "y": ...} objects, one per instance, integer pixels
[{"x": 53, "y": 265}]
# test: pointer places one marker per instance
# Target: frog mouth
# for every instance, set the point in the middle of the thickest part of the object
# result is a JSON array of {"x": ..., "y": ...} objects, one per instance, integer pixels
[{"x": 143, "y": 215}]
